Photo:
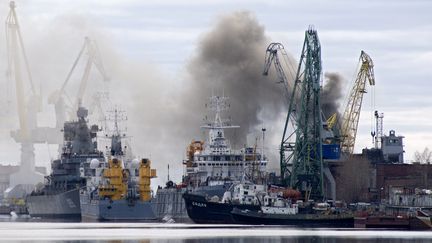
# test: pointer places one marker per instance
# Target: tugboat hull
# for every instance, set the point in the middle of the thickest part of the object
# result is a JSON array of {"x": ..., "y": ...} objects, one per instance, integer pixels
[
  {"x": 305, "y": 220},
  {"x": 202, "y": 211}
]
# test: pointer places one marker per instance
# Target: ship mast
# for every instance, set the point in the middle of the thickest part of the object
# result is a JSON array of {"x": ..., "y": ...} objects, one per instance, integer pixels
[
  {"x": 217, "y": 142},
  {"x": 115, "y": 134}
]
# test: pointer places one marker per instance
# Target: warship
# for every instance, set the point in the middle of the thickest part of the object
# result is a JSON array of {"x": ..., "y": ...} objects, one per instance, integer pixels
[
  {"x": 58, "y": 197},
  {"x": 211, "y": 166},
  {"x": 117, "y": 189}
]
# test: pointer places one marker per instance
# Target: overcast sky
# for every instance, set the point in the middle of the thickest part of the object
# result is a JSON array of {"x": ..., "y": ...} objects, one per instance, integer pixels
[{"x": 396, "y": 34}]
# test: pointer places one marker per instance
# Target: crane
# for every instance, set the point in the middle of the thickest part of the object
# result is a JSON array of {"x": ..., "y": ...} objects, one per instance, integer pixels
[
  {"x": 351, "y": 114},
  {"x": 305, "y": 115},
  {"x": 307, "y": 171},
  {"x": 379, "y": 129},
  {"x": 57, "y": 98},
  {"x": 28, "y": 104},
  {"x": 276, "y": 55}
]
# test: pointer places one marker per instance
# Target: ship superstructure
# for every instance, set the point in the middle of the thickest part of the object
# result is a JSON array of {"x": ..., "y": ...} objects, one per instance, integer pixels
[
  {"x": 211, "y": 166},
  {"x": 214, "y": 161},
  {"x": 59, "y": 196},
  {"x": 118, "y": 188}
]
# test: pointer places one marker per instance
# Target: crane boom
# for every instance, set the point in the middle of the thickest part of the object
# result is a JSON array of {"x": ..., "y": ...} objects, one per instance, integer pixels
[
  {"x": 352, "y": 111},
  {"x": 93, "y": 59},
  {"x": 272, "y": 57},
  {"x": 273, "y": 52},
  {"x": 57, "y": 98}
]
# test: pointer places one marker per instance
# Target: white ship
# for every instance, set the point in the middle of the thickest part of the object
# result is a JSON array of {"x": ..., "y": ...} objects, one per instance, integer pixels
[{"x": 211, "y": 166}]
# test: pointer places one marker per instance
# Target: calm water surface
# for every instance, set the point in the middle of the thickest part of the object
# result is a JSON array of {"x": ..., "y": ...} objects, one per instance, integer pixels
[{"x": 15, "y": 230}]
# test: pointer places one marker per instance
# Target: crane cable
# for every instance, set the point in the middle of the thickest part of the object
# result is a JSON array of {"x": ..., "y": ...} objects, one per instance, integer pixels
[{"x": 372, "y": 114}]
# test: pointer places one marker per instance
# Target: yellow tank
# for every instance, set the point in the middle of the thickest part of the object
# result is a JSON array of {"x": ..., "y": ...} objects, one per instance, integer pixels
[
  {"x": 145, "y": 174},
  {"x": 116, "y": 185}
]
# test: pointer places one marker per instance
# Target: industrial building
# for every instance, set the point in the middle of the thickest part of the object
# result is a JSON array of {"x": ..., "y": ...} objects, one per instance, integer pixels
[{"x": 6, "y": 171}]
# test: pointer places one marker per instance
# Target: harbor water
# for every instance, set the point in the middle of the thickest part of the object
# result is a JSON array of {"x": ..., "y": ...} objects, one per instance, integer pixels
[{"x": 30, "y": 230}]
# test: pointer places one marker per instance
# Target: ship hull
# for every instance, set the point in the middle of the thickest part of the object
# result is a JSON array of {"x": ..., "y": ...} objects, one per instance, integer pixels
[
  {"x": 303, "y": 220},
  {"x": 202, "y": 211},
  {"x": 118, "y": 210},
  {"x": 62, "y": 205},
  {"x": 394, "y": 222},
  {"x": 169, "y": 204}
]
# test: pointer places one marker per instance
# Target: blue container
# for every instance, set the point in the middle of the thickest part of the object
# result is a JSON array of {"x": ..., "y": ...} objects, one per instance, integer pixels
[{"x": 331, "y": 151}]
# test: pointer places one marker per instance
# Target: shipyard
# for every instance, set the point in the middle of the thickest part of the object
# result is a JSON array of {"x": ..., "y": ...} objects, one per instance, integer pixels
[{"x": 262, "y": 122}]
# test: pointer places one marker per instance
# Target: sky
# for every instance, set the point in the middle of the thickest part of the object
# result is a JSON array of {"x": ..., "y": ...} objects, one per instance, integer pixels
[{"x": 161, "y": 37}]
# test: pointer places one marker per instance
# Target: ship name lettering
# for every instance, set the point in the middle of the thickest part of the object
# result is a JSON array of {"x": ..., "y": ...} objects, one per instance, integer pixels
[{"x": 201, "y": 205}]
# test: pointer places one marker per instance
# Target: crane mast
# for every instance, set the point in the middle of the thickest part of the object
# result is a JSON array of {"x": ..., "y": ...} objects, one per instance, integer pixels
[
  {"x": 27, "y": 107},
  {"x": 14, "y": 45},
  {"x": 351, "y": 114},
  {"x": 307, "y": 171}
]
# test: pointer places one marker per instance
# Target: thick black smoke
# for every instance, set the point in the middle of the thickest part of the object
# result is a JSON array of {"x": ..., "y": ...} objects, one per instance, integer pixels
[
  {"x": 331, "y": 94},
  {"x": 230, "y": 59}
]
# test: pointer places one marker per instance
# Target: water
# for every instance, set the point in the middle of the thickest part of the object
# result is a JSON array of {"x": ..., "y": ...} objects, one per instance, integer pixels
[{"x": 19, "y": 231}]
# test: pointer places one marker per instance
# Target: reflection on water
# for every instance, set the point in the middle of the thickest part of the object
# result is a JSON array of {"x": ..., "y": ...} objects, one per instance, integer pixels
[
  {"x": 155, "y": 233},
  {"x": 27, "y": 218}
]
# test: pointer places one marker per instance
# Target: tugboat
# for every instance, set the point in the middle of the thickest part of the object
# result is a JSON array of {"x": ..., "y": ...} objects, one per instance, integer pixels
[
  {"x": 59, "y": 195},
  {"x": 211, "y": 166},
  {"x": 117, "y": 190},
  {"x": 248, "y": 203},
  {"x": 280, "y": 211},
  {"x": 205, "y": 210}
]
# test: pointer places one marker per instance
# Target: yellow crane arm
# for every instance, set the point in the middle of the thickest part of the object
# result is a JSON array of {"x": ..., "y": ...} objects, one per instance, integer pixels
[{"x": 352, "y": 110}]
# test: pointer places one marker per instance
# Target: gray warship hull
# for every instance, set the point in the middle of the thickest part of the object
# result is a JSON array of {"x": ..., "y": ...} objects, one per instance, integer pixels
[
  {"x": 118, "y": 210},
  {"x": 169, "y": 202},
  {"x": 61, "y": 205}
]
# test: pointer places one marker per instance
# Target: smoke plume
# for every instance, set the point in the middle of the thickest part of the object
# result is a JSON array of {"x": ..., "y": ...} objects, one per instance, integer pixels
[
  {"x": 331, "y": 94},
  {"x": 164, "y": 113},
  {"x": 230, "y": 59}
]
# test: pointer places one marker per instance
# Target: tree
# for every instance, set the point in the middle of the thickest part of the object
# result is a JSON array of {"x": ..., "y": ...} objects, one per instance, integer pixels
[{"x": 424, "y": 157}]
